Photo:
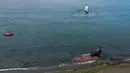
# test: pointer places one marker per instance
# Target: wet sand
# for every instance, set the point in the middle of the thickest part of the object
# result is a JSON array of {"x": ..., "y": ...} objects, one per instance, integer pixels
[
  {"x": 53, "y": 68},
  {"x": 117, "y": 68}
]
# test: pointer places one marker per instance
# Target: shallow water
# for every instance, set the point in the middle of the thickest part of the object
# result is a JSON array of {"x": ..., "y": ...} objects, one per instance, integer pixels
[{"x": 49, "y": 32}]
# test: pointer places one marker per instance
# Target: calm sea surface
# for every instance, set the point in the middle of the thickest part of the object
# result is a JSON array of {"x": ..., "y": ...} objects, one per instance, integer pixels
[{"x": 51, "y": 32}]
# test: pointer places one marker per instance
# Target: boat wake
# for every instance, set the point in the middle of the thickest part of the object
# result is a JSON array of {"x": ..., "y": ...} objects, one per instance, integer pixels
[{"x": 81, "y": 13}]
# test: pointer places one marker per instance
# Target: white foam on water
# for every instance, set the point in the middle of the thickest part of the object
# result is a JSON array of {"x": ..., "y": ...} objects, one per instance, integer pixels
[
  {"x": 13, "y": 69},
  {"x": 87, "y": 62}
]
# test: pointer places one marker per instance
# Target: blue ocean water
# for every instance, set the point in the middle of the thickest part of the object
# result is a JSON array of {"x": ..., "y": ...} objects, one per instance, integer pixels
[{"x": 52, "y": 32}]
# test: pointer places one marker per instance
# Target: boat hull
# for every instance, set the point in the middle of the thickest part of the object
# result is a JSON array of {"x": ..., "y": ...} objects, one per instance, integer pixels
[{"x": 84, "y": 58}]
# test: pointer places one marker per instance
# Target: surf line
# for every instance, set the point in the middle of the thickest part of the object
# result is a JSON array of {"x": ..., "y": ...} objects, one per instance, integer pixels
[{"x": 15, "y": 69}]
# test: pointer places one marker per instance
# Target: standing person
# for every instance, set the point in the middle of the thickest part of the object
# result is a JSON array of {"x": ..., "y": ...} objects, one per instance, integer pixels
[{"x": 86, "y": 9}]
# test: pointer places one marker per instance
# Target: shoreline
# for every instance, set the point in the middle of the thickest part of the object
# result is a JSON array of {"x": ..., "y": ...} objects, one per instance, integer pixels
[{"x": 64, "y": 67}]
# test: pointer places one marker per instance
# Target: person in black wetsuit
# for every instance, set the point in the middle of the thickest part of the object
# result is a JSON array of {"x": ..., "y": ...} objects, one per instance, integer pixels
[{"x": 97, "y": 52}]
